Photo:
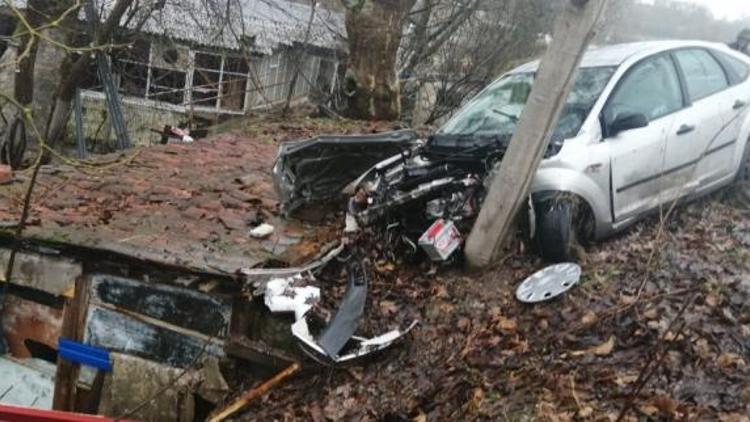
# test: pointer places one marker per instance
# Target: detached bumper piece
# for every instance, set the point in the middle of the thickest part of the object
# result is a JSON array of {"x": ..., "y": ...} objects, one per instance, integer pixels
[{"x": 337, "y": 342}]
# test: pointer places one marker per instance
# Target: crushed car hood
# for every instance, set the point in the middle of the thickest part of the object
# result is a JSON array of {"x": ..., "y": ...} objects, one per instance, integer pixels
[{"x": 318, "y": 169}]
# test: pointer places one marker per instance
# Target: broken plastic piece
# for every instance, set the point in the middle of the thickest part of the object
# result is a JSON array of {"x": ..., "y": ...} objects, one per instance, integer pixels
[
  {"x": 347, "y": 318},
  {"x": 441, "y": 240},
  {"x": 282, "y": 297},
  {"x": 548, "y": 283},
  {"x": 363, "y": 347},
  {"x": 262, "y": 231}
]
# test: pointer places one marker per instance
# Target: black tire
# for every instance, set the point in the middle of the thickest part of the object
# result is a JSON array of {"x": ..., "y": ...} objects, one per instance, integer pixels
[
  {"x": 558, "y": 232},
  {"x": 742, "y": 181}
]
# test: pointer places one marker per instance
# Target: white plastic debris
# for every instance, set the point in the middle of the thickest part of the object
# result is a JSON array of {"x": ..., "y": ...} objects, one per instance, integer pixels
[
  {"x": 350, "y": 224},
  {"x": 262, "y": 231},
  {"x": 365, "y": 346},
  {"x": 282, "y": 297},
  {"x": 549, "y": 283}
]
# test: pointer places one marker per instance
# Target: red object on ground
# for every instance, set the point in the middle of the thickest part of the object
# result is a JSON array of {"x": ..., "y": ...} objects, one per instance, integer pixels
[
  {"x": 27, "y": 414},
  {"x": 6, "y": 174}
]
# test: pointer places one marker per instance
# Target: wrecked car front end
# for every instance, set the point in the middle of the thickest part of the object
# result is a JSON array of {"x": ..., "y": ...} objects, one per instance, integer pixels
[
  {"x": 318, "y": 169},
  {"x": 441, "y": 182}
]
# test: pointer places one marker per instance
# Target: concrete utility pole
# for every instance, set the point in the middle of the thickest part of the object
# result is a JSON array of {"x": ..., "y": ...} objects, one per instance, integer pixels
[{"x": 510, "y": 183}]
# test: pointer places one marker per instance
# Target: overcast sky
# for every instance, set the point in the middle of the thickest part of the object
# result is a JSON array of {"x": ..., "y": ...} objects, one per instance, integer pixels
[{"x": 726, "y": 9}]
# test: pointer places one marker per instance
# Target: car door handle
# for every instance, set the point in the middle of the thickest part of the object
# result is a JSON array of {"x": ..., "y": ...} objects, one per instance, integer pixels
[
  {"x": 685, "y": 129},
  {"x": 739, "y": 104}
]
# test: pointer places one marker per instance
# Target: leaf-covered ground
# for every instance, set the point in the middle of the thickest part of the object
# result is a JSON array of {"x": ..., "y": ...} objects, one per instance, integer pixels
[{"x": 659, "y": 325}]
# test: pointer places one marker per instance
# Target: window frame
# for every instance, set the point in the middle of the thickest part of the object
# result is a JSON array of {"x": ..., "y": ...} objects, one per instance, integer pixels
[
  {"x": 723, "y": 57},
  {"x": 683, "y": 76},
  {"x": 618, "y": 86}
]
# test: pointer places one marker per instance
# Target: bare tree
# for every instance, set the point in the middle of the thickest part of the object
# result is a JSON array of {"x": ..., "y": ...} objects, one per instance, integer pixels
[{"x": 374, "y": 30}]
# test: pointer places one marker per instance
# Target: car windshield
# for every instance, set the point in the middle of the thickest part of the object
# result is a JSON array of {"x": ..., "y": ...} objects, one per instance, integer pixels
[{"x": 496, "y": 110}]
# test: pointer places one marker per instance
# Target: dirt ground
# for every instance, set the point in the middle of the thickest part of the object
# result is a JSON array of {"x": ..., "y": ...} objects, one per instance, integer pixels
[{"x": 659, "y": 325}]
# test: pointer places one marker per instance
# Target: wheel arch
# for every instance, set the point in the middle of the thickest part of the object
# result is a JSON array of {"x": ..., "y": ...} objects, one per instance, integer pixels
[{"x": 553, "y": 182}]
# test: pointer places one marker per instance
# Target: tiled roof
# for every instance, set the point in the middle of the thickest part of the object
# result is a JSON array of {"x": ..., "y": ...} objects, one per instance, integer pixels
[{"x": 190, "y": 206}]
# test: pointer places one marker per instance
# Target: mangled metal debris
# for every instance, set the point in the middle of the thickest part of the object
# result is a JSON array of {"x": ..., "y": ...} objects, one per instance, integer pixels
[
  {"x": 336, "y": 343},
  {"x": 318, "y": 169},
  {"x": 428, "y": 195},
  {"x": 549, "y": 283}
]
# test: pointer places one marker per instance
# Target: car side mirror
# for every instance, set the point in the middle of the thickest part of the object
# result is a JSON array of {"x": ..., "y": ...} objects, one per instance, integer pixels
[{"x": 627, "y": 121}]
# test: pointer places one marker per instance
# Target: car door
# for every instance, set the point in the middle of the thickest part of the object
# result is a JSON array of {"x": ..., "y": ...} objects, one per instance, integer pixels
[
  {"x": 652, "y": 88},
  {"x": 698, "y": 149}
]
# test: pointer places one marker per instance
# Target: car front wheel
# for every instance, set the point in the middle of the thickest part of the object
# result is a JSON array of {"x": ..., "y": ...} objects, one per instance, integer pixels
[{"x": 560, "y": 231}]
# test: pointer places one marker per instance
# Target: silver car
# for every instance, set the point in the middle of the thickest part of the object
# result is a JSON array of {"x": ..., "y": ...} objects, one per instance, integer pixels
[{"x": 646, "y": 124}]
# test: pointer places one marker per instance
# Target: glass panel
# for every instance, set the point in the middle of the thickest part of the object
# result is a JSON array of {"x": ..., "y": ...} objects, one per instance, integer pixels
[
  {"x": 496, "y": 110},
  {"x": 703, "y": 74},
  {"x": 167, "y": 85},
  {"x": 651, "y": 87},
  {"x": 737, "y": 69},
  {"x": 205, "y": 88}
]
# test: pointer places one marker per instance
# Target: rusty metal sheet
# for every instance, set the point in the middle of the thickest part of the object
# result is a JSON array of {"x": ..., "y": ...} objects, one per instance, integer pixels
[{"x": 26, "y": 320}]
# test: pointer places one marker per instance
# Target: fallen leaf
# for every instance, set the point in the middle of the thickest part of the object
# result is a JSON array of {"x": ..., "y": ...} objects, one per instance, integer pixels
[
  {"x": 712, "y": 300},
  {"x": 589, "y": 318},
  {"x": 605, "y": 348},
  {"x": 727, "y": 360},
  {"x": 506, "y": 324},
  {"x": 651, "y": 313},
  {"x": 649, "y": 410},
  {"x": 388, "y": 307},
  {"x": 666, "y": 405},
  {"x": 601, "y": 350},
  {"x": 623, "y": 380},
  {"x": 733, "y": 417},
  {"x": 585, "y": 412}
]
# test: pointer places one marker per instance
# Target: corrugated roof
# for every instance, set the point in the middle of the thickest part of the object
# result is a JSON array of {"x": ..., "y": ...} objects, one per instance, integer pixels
[{"x": 267, "y": 24}]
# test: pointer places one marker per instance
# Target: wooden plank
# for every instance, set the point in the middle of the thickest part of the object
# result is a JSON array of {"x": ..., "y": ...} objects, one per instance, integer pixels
[
  {"x": 74, "y": 323},
  {"x": 511, "y": 182},
  {"x": 255, "y": 393},
  {"x": 122, "y": 333},
  {"x": 177, "y": 306}
]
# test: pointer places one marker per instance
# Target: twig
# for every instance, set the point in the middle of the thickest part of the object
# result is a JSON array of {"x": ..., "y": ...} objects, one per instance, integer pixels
[
  {"x": 645, "y": 375},
  {"x": 253, "y": 394}
]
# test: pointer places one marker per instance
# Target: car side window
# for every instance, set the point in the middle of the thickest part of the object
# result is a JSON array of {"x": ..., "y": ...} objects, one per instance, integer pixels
[
  {"x": 651, "y": 88},
  {"x": 737, "y": 69},
  {"x": 703, "y": 74}
]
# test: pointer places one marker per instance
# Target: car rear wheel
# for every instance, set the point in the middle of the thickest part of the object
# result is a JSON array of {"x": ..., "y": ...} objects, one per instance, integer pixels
[
  {"x": 742, "y": 182},
  {"x": 562, "y": 229}
]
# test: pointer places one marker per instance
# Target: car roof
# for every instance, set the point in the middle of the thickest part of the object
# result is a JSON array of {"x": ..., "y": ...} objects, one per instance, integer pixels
[{"x": 617, "y": 54}]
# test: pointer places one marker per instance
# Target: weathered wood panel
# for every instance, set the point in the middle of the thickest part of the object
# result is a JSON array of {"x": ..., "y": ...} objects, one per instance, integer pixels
[
  {"x": 177, "y": 306},
  {"x": 50, "y": 274},
  {"x": 121, "y": 333}
]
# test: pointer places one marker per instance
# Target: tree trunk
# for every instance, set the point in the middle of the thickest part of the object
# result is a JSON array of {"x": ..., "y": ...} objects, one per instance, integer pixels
[
  {"x": 23, "y": 88},
  {"x": 374, "y": 29},
  {"x": 511, "y": 182},
  {"x": 74, "y": 72}
]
